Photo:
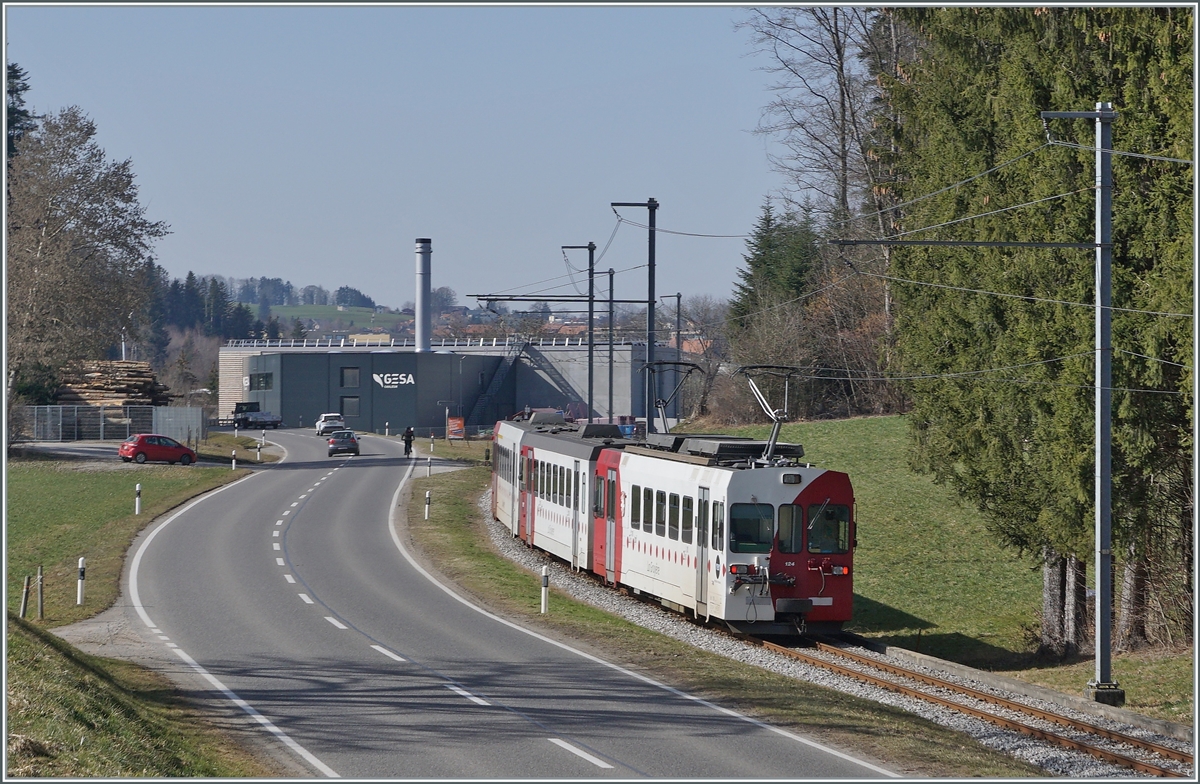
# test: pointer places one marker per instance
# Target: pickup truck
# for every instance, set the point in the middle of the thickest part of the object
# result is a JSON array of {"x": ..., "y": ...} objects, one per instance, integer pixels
[{"x": 247, "y": 417}]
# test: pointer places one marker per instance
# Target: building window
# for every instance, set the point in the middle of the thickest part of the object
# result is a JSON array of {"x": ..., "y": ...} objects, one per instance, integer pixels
[
  {"x": 350, "y": 406},
  {"x": 350, "y": 378},
  {"x": 261, "y": 381}
]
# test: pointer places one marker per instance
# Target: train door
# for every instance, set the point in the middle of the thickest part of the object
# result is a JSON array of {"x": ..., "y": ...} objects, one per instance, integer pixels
[
  {"x": 531, "y": 495},
  {"x": 575, "y": 538},
  {"x": 702, "y": 498},
  {"x": 526, "y": 482},
  {"x": 610, "y": 527}
]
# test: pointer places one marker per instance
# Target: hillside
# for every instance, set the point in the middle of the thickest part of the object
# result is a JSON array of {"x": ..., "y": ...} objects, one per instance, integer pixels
[{"x": 326, "y": 315}]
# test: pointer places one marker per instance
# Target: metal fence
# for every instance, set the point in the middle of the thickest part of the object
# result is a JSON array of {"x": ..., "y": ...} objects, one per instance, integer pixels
[{"x": 108, "y": 423}]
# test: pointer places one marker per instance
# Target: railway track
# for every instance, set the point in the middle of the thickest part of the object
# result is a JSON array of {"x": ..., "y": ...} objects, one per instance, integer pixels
[{"x": 1011, "y": 715}]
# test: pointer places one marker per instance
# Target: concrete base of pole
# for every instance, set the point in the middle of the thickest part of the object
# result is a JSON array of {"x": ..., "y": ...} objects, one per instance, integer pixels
[{"x": 1105, "y": 693}]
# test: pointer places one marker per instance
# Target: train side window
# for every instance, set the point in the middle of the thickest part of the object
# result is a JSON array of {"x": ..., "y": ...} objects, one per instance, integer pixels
[
  {"x": 685, "y": 521},
  {"x": 648, "y": 510},
  {"x": 829, "y": 528},
  {"x": 660, "y": 513},
  {"x": 718, "y": 525},
  {"x": 635, "y": 507},
  {"x": 558, "y": 485},
  {"x": 791, "y": 529},
  {"x": 598, "y": 497},
  {"x": 673, "y": 517}
]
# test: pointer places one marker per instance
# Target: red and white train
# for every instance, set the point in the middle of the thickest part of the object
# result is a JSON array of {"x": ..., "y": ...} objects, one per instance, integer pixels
[{"x": 717, "y": 527}]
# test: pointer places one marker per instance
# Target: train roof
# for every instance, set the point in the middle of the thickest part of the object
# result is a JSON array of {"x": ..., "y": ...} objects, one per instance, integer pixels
[
  {"x": 717, "y": 449},
  {"x": 576, "y": 439}
]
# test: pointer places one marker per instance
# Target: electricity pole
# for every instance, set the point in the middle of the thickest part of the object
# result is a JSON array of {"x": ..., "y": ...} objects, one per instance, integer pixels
[
  {"x": 591, "y": 249},
  {"x": 1103, "y": 688},
  {"x": 651, "y": 393}
]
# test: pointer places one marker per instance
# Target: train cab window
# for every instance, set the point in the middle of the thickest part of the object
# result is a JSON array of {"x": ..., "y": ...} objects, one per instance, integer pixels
[
  {"x": 598, "y": 497},
  {"x": 635, "y": 508},
  {"x": 673, "y": 517},
  {"x": 828, "y": 528},
  {"x": 751, "y": 528},
  {"x": 660, "y": 513},
  {"x": 791, "y": 529},
  {"x": 685, "y": 521},
  {"x": 718, "y": 525}
]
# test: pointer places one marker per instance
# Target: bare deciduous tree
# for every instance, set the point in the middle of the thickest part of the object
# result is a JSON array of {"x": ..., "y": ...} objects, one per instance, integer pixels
[{"x": 78, "y": 247}]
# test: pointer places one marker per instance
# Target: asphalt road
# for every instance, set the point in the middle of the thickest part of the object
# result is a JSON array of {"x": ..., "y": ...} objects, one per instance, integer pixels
[{"x": 291, "y": 593}]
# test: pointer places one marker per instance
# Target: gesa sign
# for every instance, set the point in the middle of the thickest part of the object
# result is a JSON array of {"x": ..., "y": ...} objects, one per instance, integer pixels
[{"x": 392, "y": 380}]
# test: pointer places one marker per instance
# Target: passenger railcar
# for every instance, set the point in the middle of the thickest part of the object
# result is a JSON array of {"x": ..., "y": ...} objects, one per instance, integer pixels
[{"x": 706, "y": 525}]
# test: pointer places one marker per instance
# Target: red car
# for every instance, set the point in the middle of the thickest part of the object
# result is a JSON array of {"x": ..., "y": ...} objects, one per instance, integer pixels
[{"x": 150, "y": 446}]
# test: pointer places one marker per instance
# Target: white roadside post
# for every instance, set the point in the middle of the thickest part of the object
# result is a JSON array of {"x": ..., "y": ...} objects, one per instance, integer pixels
[
  {"x": 79, "y": 590},
  {"x": 426, "y": 504},
  {"x": 234, "y": 464},
  {"x": 428, "y": 466},
  {"x": 545, "y": 587},
  {"x": 137, "y": 500},
  {"x": 263, "y": 440},
  {"x": 387, "y": 428},
  {"x": 258, "y": 449}
]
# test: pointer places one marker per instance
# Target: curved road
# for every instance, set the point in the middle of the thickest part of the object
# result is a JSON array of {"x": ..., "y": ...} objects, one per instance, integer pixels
[{"x": 291, "y": 593}]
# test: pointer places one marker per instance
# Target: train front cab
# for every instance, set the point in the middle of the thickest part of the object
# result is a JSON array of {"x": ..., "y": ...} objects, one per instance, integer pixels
[{"x": 798, "y": 552}]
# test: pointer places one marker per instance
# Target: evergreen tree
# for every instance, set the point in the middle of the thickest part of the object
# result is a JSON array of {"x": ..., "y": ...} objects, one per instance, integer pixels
[
  {"x": 1003, "y": 410},
  {"x": 20, "y": 119},
  {"x": 781, "y": 253}
]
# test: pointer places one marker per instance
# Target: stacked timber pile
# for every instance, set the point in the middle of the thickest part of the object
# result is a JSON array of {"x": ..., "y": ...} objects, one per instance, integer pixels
[{"x": 112, "y": 383}]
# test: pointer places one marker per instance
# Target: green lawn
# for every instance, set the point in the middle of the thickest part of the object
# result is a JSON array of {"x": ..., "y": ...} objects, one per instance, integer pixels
[
  {"x": 59, "y": 511},
  {"x": 326, "y": 314}
]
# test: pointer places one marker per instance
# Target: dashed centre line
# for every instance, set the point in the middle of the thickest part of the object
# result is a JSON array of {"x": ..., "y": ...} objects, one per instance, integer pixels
[
  {"x": 579, "y": 752},
  {"x": 289, "y": 578},
  {"x": 306, "y": 598},
  {"x": 388, "y": 653},
  {"x": 467, "y": 694},
  {"x": 336, "y": 622}
]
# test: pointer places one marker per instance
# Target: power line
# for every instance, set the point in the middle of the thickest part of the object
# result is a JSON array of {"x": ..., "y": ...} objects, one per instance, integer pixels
[
  {"x": 1021, "y": 296},
  {"x": 1125, "y": 153}
]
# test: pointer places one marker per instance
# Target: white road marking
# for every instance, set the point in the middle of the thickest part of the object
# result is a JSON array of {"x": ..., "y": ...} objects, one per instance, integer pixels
[
  {"x": 313, "y": 487},
  {"x": 279, "y": 561},
  {"x": 599, "y": 763},
  {"x": 274, "y": 533},
  {"x": 467, "y": 694},
  {"x": 295, "y": 503},
  {"x": 335, "y": 622},
  {"x": 261, "y": 719},
  {"x": 305, "y": 495},
  {"x": 289, "y": 578},
  {"x": 275, "y": 546},
  {"x": 287, "y": 513},
  {"x": 278, "y": 522},
  {"x": 136, "y": 600},
  {"x": 163, "y": 637},
  {"x": 307, "y": 600},
  {"x": 388, "y": 653}
]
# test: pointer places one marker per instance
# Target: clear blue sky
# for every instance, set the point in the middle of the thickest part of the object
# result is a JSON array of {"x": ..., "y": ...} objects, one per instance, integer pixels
[{"x": 315, "y": 144}]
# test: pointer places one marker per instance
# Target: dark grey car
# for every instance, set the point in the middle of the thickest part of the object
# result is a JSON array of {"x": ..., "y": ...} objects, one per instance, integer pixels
[{"x": 343, "y": 441}]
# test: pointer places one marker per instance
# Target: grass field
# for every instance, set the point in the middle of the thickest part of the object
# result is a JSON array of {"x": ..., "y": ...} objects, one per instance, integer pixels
[
  {"x": 59, "y": 511},
  {"x": 326, "y": 314},
  {"x": 74, "y": 715}
]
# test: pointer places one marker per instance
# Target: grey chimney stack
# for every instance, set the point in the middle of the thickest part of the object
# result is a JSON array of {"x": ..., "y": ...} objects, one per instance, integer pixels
[{"x": 423, "y": 316}]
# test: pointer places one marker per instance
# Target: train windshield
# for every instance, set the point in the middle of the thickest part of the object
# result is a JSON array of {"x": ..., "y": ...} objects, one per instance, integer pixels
[
  {"x": 751, "y": 528},
  {"x": 828, "y": 528}
]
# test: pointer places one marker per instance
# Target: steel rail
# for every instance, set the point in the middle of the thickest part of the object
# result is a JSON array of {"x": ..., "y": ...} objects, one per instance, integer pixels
[
  {"x": 1113, "y": 735},
  {"x": 1061, "y": 740}
]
